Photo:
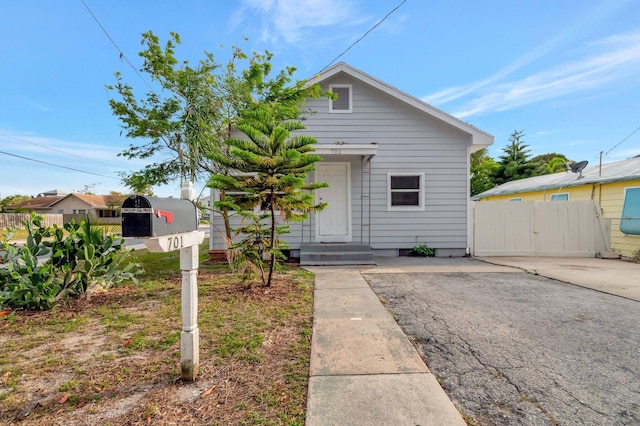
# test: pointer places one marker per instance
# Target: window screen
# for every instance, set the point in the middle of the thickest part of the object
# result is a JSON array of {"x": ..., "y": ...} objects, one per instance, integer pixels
[
  {"x": 405, "y": 190},
  {"x": 630, "y": 223},
  {"x": 343, "y": 102},
  {"x": 560, "y": 197}
]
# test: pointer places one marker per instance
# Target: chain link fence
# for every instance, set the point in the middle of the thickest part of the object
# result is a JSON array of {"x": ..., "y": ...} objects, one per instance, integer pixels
[{"x": 625, "y": 237}]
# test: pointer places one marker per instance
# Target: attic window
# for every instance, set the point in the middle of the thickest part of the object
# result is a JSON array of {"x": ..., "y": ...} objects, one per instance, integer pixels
[{"x": 344, "y": 102}]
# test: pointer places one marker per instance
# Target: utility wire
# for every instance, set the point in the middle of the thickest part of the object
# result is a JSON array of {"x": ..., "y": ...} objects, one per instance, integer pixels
[
  {"x": 49, "y": 148},
  {"x": 620, "y": 143},
  {"x": 364, "y": 35},
  {"x": 57, "y": 165},
  {"x": 122, "y": 55}
]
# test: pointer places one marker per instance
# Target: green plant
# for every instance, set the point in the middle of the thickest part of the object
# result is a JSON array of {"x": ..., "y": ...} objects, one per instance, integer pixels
[
  {"x": 422, "y": 249},
  {"x": 272, "y": 166},
  {"x": 81, "y": 258}
]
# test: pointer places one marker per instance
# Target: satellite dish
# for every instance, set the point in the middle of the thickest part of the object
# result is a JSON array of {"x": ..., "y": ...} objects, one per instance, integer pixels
[{"x": 578, "y": 167}]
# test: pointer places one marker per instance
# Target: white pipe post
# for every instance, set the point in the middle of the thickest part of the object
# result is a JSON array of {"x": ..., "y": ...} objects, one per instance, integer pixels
[
  {"x": 211, "y": 218},
  {"x": 190, "y": 335}
]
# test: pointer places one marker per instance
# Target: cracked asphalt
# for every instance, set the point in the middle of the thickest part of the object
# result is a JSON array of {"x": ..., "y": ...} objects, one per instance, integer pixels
[{"x": 520, "y": 349}]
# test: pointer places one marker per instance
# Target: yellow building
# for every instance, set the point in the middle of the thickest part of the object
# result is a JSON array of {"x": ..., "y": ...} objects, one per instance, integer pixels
[{"x": 614, "y": 186}]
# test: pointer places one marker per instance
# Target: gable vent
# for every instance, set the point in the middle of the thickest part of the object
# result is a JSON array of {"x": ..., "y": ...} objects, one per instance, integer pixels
[{"x": 344, "y": 101}]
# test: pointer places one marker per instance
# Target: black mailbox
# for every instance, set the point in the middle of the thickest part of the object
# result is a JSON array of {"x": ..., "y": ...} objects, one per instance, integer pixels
[{"x": 154, "y": 216}]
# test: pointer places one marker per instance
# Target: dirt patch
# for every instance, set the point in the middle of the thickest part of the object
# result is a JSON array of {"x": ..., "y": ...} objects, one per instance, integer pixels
[{"x": 115, "y": 359}]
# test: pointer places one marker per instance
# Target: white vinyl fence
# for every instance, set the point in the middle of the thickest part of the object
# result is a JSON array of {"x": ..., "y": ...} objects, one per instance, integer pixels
[
  {"x": 562, "y": 228},
  {"x": 8, "y": 220}
]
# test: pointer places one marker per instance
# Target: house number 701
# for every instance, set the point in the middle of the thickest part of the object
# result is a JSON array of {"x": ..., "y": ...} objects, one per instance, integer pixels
[{"x": 176, "y": 242}]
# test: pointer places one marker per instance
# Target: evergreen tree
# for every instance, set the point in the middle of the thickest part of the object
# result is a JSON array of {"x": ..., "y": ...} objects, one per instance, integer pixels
[
  {"x": 514, "y": 164},
  {"x": 12, "y": 200},
  {"x": 269, "y": 168},
  {"x": 483, "y": 167}
]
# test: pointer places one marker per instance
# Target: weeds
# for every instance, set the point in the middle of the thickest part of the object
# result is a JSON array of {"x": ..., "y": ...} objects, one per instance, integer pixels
[
  {"x": 422, "y": 249},
  {"x": 97, "y": 353}
]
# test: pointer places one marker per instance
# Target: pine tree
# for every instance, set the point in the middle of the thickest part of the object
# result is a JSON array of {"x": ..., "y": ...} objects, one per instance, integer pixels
[
  {"x": 269, "y": 169},
  {"x": 514, "y": 164}
]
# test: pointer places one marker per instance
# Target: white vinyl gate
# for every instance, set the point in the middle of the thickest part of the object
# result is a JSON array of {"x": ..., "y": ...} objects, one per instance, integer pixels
[{"x": 561, "y": 228}]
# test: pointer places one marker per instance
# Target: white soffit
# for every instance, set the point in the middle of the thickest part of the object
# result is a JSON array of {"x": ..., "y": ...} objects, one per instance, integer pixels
[{"x": 347, "y": 149}]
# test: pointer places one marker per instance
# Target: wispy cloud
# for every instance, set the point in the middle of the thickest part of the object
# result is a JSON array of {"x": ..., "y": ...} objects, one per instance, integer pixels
[
  {"x": 62, "y": 151},
  {"x": 37, "y": 106},
  {"x": 453, "y": 93},
  {"x": 603, "y": 63},
  {"x": 293, "y": 20}
]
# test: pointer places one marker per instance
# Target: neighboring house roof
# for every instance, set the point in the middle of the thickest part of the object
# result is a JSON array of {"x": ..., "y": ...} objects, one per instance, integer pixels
[
  {"x": 36, "y": 203},
  {"x": 94, "y": 201},
  {"x": 479, "y": 140},
  {"x": 611, "y": 172},
  {"x": 100, "y": 201}
]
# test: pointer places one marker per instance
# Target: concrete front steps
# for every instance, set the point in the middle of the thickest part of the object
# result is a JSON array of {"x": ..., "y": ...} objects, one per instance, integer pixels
[{"x": 335, "y": 254}]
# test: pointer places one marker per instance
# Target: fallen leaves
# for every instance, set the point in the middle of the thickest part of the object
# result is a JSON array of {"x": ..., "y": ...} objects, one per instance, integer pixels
[{"x": 208, "y": 391}]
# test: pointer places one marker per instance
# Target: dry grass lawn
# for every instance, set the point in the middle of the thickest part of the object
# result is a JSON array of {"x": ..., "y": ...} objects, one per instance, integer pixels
[{"x": 114, "y": 358}]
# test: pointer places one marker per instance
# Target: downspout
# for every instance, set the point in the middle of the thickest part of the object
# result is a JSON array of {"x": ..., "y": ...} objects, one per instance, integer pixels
[
  {"x": 369, "y": 205},
  {"x": 365, "y": 159},
  {"x": 469, "y": 250},
  {"x": 362, "y": 200}
]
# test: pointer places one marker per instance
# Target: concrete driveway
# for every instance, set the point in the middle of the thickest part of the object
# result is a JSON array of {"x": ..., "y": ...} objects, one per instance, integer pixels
[{"x": 510, "y": 347}]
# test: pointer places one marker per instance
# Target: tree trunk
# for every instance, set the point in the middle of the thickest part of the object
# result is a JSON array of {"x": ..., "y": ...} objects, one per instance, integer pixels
[
  {"x": 225, "y": 216},
  {"x": 272, "y": 258}
]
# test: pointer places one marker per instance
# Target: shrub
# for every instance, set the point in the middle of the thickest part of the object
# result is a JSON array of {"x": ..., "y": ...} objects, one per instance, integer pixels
[
  {"x": 422, "y": 249},
  {"x": 85, "y": 258}
]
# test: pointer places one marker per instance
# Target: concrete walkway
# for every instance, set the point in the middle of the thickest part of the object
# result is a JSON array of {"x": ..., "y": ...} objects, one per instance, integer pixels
[
  {"x": 364, "y": 371},
  {"x": 612, "y": 276}
]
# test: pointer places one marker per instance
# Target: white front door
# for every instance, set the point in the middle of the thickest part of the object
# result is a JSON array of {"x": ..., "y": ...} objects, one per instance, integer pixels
[{"x": 333, "y": 224}]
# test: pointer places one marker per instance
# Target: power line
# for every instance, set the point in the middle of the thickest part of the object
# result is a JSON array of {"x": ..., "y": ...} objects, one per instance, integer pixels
[
  {"x": 364, "y": 35},
  {"x": 620, "y": 143},
  {"x": 57, "y": 165},
  {"x": 122, "y": 55},
  {"x": 49, "y": 148}
]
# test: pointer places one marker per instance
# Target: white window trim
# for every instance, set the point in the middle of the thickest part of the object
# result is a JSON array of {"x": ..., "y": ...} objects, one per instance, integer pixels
[
  {"x": 420, "y": 206},
  {"x": 560, "y": 193},
  {"x": 341, "y": 111},
  {"x": 515, "y": 199}
]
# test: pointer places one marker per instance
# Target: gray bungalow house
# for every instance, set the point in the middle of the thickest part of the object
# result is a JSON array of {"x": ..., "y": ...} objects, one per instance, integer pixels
[{"x": 397, "y": 168}]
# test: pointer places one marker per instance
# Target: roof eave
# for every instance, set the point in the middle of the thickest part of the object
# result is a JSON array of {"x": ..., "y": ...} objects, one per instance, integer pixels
[{"x": 479, "y": 138}]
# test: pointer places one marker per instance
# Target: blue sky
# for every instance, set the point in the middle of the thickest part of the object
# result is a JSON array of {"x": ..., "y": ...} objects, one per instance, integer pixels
[{"x": 566, "y": 72}]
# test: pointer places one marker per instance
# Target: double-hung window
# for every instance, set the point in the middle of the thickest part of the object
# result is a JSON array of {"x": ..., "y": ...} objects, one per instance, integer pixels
[
  {"x": 405, "y": 191},
  {"x": 630, "y": 222}
]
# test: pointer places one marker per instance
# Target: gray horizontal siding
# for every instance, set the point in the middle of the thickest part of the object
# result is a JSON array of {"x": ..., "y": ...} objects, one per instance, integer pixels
[{"x": 407, "y": 141}]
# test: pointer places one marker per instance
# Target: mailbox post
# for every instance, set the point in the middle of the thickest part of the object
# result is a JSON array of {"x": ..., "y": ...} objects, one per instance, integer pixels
[{"x": 168, "y": 224}]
